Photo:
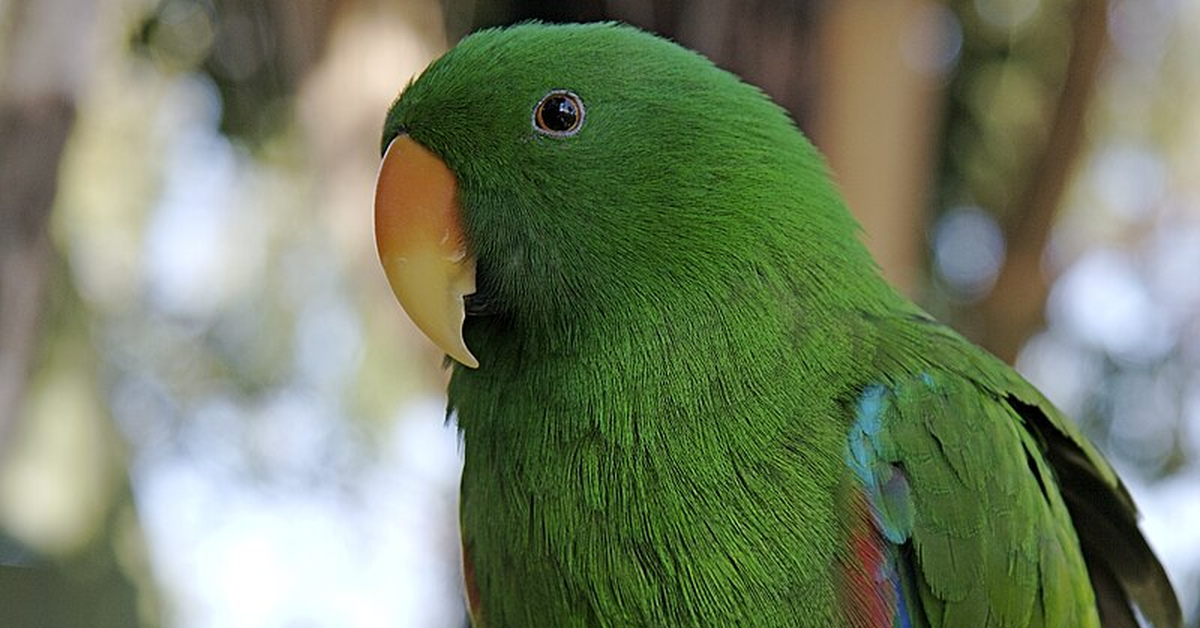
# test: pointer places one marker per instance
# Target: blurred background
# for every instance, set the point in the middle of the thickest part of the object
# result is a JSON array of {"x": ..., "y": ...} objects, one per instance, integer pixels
[{"x": 213, "y": 414}]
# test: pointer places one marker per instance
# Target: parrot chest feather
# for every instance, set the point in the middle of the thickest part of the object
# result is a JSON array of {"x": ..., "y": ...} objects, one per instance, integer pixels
[{"x": 692, "y": 502}]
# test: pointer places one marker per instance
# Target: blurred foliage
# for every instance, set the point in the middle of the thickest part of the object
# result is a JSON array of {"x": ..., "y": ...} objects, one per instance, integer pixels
[
  {"x": 72, "y": 551},
  {"x": 1001, "y": 102},
  {"x": 256, "y": 52},
  {"x": 211, "y": 310}
]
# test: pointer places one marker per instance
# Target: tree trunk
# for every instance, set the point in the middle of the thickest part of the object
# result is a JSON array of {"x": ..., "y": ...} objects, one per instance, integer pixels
[
  {"x": 47, "y": 61},
  {"x": 1015, "y": 307},
  {"x": 877, "y": 120}
]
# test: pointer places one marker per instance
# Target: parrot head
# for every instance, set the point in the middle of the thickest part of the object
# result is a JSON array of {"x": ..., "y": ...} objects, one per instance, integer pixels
[{"x": 554, "y": 176}]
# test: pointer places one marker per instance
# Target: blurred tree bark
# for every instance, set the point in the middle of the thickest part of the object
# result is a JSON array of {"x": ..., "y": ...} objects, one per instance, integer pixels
[
  {"x": 75, "y": 557},
  {"x": 1014, "y": 309},
  {"x": 43, "y": 72},
  {"x": 87, "y": 580},
  {"x": 879, "y": 111}
]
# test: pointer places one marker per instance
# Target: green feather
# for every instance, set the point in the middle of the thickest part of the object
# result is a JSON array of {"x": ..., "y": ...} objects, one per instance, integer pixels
[{"x": 680, "y": 319}]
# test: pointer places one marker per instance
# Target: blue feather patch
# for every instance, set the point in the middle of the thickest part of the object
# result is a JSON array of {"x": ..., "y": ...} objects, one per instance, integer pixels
[
  {"x": 884, "y": 483},
  {"x": 870, "y": 456}
]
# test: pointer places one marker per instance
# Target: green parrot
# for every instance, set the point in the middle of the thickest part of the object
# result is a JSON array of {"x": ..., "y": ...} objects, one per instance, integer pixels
[{"x": 685, "y": 394}]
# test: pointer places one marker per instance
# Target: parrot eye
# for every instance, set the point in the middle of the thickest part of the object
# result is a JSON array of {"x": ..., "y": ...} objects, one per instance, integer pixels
[{"x": 559, "y": 114}]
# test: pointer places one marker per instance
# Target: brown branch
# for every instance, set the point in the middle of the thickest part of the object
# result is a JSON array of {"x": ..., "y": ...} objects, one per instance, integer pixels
[
  {"x": 31, "y": 140},
  {"x": 46, "y": 61},
  {"x": 1013, "y": 310}
]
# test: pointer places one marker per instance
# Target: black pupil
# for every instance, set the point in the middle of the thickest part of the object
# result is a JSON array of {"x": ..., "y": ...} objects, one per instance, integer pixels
[{"x": 559, "y": 114}]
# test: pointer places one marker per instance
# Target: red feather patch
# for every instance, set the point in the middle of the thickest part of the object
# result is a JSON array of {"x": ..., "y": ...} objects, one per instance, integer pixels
[
  {"x": 474, "y": 606},
  {"x": 868, "y": 595}
]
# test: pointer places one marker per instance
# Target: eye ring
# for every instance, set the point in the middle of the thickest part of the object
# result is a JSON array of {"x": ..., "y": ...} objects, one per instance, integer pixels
[{"x": 559, "y": 113}]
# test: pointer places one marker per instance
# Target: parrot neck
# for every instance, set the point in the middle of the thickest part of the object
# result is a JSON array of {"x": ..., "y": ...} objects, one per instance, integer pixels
[{"x": 592, "y": 477}]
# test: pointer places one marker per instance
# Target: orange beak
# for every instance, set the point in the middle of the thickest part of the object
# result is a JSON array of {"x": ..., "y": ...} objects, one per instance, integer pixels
[{"x": 418, "y": 232}]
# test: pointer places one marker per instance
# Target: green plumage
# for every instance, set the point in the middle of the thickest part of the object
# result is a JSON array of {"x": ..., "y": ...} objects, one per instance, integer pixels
[{"x": 679, "y": 334}]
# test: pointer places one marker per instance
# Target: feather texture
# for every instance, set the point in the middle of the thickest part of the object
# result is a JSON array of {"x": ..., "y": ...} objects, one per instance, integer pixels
[{"x": 698, "y": 404}]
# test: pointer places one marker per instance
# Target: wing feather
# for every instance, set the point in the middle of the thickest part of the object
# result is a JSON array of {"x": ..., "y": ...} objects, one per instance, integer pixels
[{"x": 951, "y": 473}]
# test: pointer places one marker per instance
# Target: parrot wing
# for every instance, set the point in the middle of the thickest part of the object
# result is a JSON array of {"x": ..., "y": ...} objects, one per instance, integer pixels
[{"x": 982, "y": 501}]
